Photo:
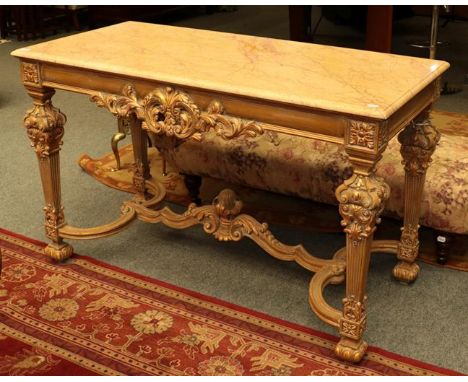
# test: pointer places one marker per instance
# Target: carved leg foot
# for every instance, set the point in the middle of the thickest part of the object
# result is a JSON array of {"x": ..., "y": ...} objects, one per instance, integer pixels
[
  {"x": 418, "y": 142},
  {"x": 406, "y": 272},
  {"x": 45, "y": 128},
  {"x": 59, "y": 252},
  {"x": 361, "y": 200},
  {"x": 193, "y": 184},
  {"x": 350, "y": 351}
]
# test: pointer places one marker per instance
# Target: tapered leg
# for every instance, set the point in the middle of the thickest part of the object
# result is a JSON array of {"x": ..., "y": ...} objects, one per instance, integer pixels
[
  {"x": 418, "y": 142},
  {"x": 361, "y": 200},
  {"x": 140, "y": 152},
  {"x": 44, "y": 124}
]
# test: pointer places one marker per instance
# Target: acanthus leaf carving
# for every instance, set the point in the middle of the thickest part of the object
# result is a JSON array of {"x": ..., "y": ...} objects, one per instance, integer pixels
[
  {"x": 361, "y": 200},
  {"x": 170, "y": 112},
  {"x": 418, "y": 143},
  {"x": 121, "y": 106},
  {"x": 173, "y": 113},
  {"x": 45, "y": 128}
]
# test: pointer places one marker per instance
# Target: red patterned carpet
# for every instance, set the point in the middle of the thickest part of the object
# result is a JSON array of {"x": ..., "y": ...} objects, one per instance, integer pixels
[{"x": 89, "y": 318}]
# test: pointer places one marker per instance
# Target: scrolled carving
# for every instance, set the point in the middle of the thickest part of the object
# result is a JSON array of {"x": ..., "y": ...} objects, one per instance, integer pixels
[
  {"x": 361, "y": 200},
  {"x": 223, "y": 220},
  {"x": 227, "y": 127},
  {"x": 120, "y": 106},
  {"x": 173, "y": 113},
  {"x": 418, "y": 142},
  {"x": 45, "y": 128},
  {"x": 170, "y": 112}
]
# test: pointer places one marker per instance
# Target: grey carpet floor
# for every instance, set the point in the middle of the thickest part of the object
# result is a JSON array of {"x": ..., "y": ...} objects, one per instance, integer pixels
[{"x": 426, "y": 320}]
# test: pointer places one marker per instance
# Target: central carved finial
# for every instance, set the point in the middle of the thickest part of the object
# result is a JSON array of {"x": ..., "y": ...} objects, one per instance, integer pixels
[{"x": 227, "y": 204}]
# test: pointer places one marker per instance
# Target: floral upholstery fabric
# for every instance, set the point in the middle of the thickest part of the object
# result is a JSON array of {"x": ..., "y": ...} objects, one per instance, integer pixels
[{"x": 312, "y": 169}]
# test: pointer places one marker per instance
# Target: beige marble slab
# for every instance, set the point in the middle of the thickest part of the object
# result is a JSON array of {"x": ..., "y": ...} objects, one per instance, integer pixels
[{"x": 318, "y": 76}]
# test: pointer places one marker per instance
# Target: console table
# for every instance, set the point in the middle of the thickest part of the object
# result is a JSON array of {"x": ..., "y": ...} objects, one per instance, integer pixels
[{"x": 177, "y": 83}]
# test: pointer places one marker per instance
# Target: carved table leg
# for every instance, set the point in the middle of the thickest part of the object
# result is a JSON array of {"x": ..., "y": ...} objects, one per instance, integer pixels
[
  {"x": 418, "y": 142},
  {"x": 44, "y": 124},
  {"x": 361, "y": 200},
  {"x": 140, "y": 152}
]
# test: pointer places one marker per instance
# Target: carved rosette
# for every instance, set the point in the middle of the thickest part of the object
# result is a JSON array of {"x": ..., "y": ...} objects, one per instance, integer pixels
[
  {"x": 354, "y": 319},
  {"x": 173, "y": 113},
  {"x": 361, "y": 202},
  {"x": 362, "y": 134},
  {"x": 44, "y": 124},
  {"x": 418, "y": 142},
  {"x": 54, "y": 219},
  {"x": 30, "y": 73}
]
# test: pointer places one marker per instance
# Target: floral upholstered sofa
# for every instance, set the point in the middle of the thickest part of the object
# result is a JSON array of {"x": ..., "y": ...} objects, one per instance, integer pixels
[{"x": 312, "y": 169}]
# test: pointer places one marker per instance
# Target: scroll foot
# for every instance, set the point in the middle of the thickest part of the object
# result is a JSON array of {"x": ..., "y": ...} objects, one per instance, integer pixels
[
  {"x": 59, "y": 252},
  {"x": 406, "y": 272},
  {"x": 350, "y": 351}
]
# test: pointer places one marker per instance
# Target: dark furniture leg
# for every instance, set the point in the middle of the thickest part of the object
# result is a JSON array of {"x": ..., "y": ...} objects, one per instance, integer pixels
[
  {"x": 3, "y": 22},
  {"x": 443, "y": 242},
  {"x": 379, "y": 28},
  {"x": 193, "y": 184},
  {"x": 300, "y": 23}
]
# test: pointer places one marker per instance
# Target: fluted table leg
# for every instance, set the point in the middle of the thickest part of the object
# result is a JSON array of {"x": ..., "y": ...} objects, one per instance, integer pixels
[
  {"x": 45, "y": 128},
  {"x": 418, "y": 142},
  {"x": 361, "y": 200}
]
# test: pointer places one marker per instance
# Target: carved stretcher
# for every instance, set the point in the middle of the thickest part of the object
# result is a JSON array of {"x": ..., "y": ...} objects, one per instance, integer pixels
[{"x": 179, "y": 83}]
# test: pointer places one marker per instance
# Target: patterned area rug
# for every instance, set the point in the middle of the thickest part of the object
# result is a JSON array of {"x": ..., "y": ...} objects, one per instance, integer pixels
[
  {"x": 288, "y": 211},
  {"x": 89, "y": 318}
]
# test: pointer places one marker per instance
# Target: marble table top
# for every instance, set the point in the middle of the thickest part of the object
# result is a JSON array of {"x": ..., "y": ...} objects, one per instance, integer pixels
[{"x": 322, "y": 77}]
